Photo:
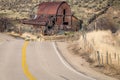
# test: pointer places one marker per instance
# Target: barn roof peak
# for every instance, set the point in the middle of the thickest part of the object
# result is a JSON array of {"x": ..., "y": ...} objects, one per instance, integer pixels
[
  {"x": 50, "y": 7},
  {"x": 59, "y": 2}
]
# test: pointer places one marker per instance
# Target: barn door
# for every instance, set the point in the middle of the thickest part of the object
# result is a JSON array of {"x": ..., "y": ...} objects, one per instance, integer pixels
[
  {"x": 64, "y": 13},
  {"x": 64, "y": 17}
]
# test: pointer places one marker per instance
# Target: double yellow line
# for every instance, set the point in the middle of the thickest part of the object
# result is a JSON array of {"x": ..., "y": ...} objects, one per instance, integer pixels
[{"x": 24, "y": 63}]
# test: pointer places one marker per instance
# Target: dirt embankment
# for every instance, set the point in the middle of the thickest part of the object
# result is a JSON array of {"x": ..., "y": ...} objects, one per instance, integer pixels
[{"x": 101, "y": 49}]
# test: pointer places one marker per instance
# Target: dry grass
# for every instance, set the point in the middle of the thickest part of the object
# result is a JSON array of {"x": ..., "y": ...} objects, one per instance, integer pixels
[
  {"x": 13, "y": 14},
  {"x": 101, "y": 41}
]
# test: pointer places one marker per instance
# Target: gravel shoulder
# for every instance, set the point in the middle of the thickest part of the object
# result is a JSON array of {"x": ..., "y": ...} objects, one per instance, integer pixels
[
  {"x": 5, "y": 37},
  {"x": 80, "y": 64}
]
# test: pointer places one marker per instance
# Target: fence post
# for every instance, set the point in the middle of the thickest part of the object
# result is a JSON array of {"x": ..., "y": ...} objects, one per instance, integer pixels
[
  {"x": 95, "y": 56},
  {"x": 115, "y": 55},
  {"x": 102, "y": 59},
  {"x": 110, "y": 58},
  {"x": 107, "y": 57},
  {"x": 118, "y": 59},
  {"x": 98, "y": 56}
]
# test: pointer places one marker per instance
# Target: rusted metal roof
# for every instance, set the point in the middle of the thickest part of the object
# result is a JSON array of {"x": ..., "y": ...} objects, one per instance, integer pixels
[
  {"x": 50, "y": 8},
  {"x": 60, "y": 11}
]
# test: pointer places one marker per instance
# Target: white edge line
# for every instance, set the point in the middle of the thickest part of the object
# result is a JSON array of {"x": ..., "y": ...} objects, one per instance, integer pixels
[{"x": 67, "y": 65}]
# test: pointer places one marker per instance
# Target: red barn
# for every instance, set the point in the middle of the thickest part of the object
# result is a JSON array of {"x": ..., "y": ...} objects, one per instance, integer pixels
[{"x": 53, "y": 16}]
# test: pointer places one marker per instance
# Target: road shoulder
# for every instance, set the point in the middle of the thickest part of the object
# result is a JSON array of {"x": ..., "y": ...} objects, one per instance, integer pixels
[{"x": 80, "y": 64}]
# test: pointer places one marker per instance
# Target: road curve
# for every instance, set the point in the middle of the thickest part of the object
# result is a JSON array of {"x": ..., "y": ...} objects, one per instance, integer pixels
[{"x": 42, "y": 58}]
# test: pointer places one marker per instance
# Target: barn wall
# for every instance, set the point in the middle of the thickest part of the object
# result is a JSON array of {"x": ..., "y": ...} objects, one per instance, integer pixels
[{"x": 64, "y": 9}]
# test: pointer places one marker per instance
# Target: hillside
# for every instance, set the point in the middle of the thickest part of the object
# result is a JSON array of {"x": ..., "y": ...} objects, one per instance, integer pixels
[
  {"x": 86, "y": 7},
  {"x": 86, "y": 10}
]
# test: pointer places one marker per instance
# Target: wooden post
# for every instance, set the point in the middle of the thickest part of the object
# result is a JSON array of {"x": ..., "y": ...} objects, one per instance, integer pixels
[
  {"x": 107, "y": 58},
  {"x": 110, "y": 58},
  {"x": 102, "y": 59},
  {"x": 98, "y": 56},
  {"x": 118, "y": 59},
  {"x": 95, "y": 56},
  {"x": 115, "y": 55}
]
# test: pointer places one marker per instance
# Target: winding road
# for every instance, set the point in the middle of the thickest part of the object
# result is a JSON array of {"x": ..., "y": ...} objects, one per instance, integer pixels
[{"x": 22, "y": 60}]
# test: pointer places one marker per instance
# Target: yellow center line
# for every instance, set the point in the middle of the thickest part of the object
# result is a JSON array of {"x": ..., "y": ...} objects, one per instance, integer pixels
[{"x": 24, "y": 63}]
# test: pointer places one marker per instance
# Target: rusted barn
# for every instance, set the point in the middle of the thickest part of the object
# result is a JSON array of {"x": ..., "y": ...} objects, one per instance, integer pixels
[{"x": 52, "y": 17}]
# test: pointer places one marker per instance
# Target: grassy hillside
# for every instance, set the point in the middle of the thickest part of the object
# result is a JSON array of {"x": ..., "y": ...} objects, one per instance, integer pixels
[
  {"x": 82, "y": 8},
  {"x": 90, "y": 11},
  {"x": 86, "y": 10}
]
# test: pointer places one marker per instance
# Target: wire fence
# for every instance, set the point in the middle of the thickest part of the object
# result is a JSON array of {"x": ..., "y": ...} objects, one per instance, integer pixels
[
  {"x": 100, "y": 57},
  {"x": 106, "y": 58}
]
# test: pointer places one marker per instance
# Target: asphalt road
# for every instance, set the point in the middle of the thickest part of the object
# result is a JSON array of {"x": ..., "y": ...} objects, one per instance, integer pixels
[{"x": 20, "y": 60}]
